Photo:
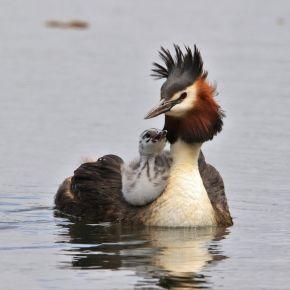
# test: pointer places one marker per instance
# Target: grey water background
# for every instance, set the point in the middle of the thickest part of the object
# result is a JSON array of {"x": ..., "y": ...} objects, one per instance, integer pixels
[{"x": 68, "y": 94}]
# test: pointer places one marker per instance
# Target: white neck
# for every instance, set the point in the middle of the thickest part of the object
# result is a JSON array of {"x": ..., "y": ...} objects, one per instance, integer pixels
[
  {"x": 182, "y": 152},
  {"x": 185, "y": 201}
]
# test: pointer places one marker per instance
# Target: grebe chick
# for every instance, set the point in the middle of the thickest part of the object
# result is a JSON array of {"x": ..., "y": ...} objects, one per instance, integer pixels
[{"x": 144, "y": 179}]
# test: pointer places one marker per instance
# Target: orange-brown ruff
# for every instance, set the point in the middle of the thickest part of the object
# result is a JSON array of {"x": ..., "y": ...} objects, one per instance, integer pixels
[
  {"x": 194, "y": 195},
  {"x": 206, "y": 117}
]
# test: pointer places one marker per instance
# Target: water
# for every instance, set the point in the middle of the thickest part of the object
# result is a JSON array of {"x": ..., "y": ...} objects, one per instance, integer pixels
[{"x": 66, "y": 94}]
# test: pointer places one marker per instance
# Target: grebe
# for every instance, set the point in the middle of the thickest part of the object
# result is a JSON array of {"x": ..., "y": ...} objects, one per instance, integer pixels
[
  {"x": 194, "y": 195},
  {"x": 144, "y": 179}
]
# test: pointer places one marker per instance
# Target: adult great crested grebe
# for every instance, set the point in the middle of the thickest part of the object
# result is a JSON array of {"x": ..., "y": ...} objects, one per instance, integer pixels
[{"x": 194, "y": 193}]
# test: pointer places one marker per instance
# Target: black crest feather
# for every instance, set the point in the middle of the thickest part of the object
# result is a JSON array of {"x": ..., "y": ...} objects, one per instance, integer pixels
[{"x": 186, "y": 62}]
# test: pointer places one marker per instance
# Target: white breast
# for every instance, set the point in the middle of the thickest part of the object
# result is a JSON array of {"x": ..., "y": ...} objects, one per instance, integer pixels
[{"x": 185, "y": 201}]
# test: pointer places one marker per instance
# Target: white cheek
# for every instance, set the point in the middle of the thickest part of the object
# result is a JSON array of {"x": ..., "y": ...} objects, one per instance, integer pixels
[{"x": 186, "y": 105}]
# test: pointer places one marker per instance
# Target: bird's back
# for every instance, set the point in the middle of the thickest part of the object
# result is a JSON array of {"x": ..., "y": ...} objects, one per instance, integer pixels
[{"x": 94, "y": 192}]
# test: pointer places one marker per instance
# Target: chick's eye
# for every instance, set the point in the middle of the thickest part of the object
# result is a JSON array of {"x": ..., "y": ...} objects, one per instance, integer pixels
[{"x": 147, "y": 135}]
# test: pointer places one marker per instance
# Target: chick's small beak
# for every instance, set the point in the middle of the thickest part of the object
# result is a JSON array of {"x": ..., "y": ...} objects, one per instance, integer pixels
[
  {"x": 163, "y": 107},
  {"x": 160, "y": 135}
]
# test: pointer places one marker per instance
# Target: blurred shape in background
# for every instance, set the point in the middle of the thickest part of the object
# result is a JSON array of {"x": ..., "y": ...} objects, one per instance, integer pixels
[{"x": 73, "y": 24}]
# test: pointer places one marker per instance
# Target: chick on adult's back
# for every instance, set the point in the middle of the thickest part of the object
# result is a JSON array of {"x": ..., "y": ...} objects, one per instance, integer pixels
[{"x": 144, "y": 179}]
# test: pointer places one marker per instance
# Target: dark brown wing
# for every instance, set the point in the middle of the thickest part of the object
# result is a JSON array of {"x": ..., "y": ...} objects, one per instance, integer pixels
[
  {"x": 95, "y": 191},
  {"x": 214, "y": 186},
  {"x": 65, "y": 200}
]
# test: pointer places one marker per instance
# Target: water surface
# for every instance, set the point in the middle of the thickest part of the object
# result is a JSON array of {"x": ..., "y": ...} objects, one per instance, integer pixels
[{"x": 67, "y": 94}]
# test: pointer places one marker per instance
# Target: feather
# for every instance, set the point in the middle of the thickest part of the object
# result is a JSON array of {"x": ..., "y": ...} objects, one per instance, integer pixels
[{"x": 182, "y": 63}]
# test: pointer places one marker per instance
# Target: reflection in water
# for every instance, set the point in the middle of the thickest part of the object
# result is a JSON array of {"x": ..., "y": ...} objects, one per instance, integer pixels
[{"x": 173, "y": 257}]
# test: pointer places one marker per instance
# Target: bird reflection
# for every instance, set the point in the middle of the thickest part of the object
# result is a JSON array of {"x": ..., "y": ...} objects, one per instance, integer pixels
[{"x": 174, "y": 258}]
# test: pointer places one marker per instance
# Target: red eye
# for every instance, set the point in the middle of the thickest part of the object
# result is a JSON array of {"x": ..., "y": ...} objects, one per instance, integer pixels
[{"x": 183, "y": 96}]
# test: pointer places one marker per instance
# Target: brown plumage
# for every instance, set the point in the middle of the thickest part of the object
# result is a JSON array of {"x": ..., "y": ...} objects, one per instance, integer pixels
[
  {"x": 94, "y": 193},
  {"x": 202, "y": 122}
]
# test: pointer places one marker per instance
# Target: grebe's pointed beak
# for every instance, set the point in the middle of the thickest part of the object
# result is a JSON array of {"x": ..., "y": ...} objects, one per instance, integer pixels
[
  {"x": 162, "y": 108},
  {"x": 165, "y": 106}
]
